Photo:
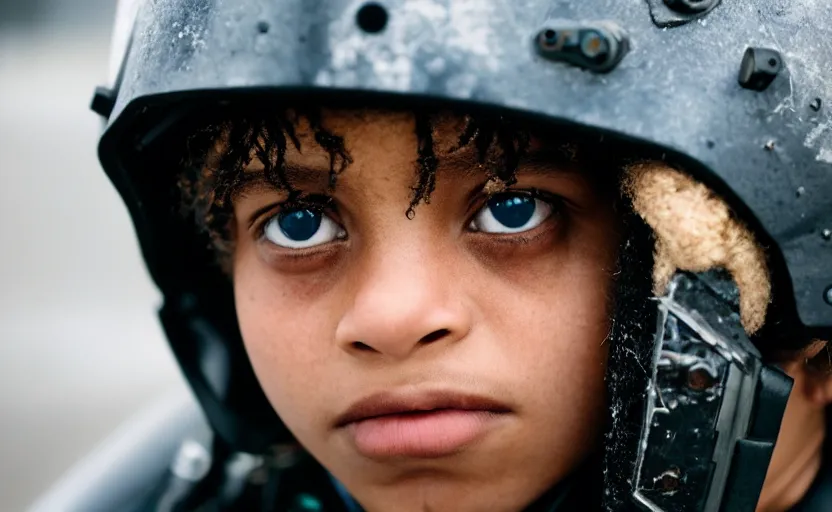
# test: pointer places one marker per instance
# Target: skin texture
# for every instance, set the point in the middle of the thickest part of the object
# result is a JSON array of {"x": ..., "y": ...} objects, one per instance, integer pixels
[
  {"x": 425, "y": 304},
  {"x": 798, "y": 453}
]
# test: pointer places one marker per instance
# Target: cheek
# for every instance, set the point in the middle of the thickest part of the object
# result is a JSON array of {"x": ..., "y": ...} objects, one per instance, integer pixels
[
  {"x": 286, "y": 330},
  {"x": 560, "y": 347},
  {"x": 555, "y": 310}
]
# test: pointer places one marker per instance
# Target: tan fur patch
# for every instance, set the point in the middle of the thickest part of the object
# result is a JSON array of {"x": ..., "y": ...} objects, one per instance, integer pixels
[{"x": 696, "y": 231}]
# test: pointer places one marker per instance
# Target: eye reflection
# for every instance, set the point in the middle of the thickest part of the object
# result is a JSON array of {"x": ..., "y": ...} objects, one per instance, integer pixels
[
  {"x": 302, "y": 228},
  {"x": 511, "y": 213}
]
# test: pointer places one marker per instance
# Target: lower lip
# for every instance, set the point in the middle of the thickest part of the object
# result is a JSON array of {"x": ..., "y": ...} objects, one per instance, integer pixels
[{"x": 425, "y": 434}]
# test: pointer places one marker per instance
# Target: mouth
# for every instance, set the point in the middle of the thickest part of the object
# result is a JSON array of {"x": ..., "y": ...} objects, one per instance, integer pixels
[{"x": 421, "y": 425}]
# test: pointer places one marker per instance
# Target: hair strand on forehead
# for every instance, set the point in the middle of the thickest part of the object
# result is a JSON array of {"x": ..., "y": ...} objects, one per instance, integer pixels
[
  {"x": 332, "y": 144},
  {"x": 426, "y": 162}
]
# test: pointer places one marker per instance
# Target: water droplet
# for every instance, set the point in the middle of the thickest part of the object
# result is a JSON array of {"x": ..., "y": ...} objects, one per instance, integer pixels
[
  {"x": 800, "y": 191},
  {"x": 826, "y": 234}
]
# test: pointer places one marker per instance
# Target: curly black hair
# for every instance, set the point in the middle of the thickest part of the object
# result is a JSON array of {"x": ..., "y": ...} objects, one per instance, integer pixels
[{"x": 218, "y": 153}]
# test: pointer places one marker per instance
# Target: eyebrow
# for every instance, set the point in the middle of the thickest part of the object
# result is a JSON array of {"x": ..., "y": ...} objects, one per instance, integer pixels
[
  {"x": 463, "y": 164},
  {"x": 541, "y": 161},
  {"x": 297, "y": 175}
]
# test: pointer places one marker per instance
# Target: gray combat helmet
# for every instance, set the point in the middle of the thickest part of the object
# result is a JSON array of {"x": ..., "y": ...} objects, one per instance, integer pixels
[{"x": 737, "y": 92}]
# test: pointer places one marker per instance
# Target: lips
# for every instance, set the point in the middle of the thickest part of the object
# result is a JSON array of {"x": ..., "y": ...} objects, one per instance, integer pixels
[{"x": 422, "y": 425}]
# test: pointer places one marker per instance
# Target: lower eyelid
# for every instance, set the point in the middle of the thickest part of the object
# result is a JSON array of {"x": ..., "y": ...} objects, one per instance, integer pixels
[
  {"x": 541, "y": 236},
  {"x": 292, "y": 261},
  {"x": 553, "y": 222},
  {"x": 303, "y": 252}
]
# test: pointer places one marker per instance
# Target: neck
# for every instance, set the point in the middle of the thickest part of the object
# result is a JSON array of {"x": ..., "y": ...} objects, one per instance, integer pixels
[{"x": 796, "y": 461}]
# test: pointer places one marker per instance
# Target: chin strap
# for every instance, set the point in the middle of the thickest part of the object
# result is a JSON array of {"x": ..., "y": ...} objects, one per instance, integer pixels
[{"x": 713, "y": 409}]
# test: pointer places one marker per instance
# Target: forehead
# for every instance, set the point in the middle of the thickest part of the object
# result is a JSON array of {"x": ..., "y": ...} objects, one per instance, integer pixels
[
  {"x": 375, "y": 133},
  {"x": 319, "y": 145},
  {"x": 374, "y": 128}
]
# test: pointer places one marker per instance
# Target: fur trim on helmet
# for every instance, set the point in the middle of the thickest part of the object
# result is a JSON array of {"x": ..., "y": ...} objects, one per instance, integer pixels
[
  {"x": 696, "y": 231},
  {"x": 671, "y": 223}
]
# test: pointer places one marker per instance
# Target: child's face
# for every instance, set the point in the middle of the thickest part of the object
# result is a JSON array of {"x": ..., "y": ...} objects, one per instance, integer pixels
[{"x": 499, "y": 306}]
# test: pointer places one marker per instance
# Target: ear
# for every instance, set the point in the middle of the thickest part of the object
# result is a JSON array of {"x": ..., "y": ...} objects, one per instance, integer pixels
[
  {"x": 819, "y": 388},
  {"x": 816, "y": 384}
]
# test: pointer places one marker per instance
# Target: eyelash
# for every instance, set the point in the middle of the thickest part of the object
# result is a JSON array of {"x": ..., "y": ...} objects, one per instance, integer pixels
[
  {"x": 325, "y": 204},
  {"x": 479, "y": 202},
  {"x": 318, "y": 203}
]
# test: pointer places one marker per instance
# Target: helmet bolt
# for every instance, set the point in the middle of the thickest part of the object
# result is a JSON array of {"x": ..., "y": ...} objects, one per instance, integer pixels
[
  {"x": 759, "y": 68},
  {"x": 549, "y": 38},
  {"x": 669, "y": 481},
  {"x": 598, "y": 48},
  {"x": 594, "y": 46},
  {"x": 701, "y": 377}
]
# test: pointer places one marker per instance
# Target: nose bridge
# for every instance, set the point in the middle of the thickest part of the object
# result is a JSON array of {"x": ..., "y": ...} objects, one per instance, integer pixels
[
  {"x": 401, "y": 297},
  {"x": 405, "y": 270}
]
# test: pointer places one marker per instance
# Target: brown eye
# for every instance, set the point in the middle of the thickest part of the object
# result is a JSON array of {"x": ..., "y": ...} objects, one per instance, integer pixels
[{"x": 511, "y": 213}]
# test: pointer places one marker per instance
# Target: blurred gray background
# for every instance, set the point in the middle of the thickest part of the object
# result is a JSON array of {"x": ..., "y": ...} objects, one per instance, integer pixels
[{"x": 80, "y": 347}]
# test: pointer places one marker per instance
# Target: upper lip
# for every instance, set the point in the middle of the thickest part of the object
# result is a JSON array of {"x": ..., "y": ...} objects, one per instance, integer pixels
[{"x": 385, "y": 403}]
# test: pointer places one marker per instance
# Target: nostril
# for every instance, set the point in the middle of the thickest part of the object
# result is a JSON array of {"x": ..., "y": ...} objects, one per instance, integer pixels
[
  {"x": 435, "y": 336},
  {"x": 360, "y": 345}
]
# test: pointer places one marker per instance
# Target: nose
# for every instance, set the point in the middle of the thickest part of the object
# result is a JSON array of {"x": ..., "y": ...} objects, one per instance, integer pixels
[{"x": 402, "y": 300}]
